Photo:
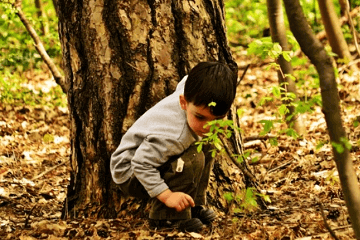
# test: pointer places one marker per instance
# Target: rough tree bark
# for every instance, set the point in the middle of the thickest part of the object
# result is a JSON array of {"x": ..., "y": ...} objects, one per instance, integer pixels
[
  {"x": 278, "y": 34},
  {"x": 331, "y": 107},
  {"x": 120, "y": 58}
]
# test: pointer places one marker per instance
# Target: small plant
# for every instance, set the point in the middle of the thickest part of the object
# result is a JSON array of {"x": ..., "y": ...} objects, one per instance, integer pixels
[
  {"x": 246, "y": 200},
  {"x": 265, "y": 48},
  {"x": 225, "y": 127},
  {"x": 217, "y": 127}
]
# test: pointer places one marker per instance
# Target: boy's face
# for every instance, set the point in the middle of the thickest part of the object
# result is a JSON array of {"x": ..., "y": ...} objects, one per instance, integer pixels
[{"x": 197, "y": 116}]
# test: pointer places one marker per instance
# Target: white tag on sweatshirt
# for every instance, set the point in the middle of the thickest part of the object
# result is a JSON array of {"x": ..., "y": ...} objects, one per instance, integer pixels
[{"x": 180, "y": 165}]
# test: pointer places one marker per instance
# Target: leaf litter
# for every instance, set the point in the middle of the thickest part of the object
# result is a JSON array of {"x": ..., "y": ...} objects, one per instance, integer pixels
[{"x": 295, "y": 174}]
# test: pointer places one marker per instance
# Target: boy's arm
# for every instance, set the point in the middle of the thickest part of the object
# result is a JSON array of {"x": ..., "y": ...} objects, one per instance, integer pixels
[{"x": 152, "y": 153}]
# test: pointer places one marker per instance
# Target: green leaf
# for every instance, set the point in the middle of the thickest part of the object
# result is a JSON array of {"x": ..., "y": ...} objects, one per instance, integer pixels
[
  {"x": 208, "y": 134},
  {"x": 264, "y": 100},
  {"x": 356, "y": 123},
  {"x": 48, "y": 138},
  {"x": 274, "y": 65},
  {"x": 290, "y": 76},
  {"x": 213, "y": 153},
  {"x": 338, "y": 147},
  {"x": 283, "y": 109},
  {"x": 273, "y": 141},
  {"x": 240, "y": 112},
  {"x": 240, "y": 158},
  {"x": 320, "y": 145},
  {"x": 212, "y": 104},
  {"x": 199, "y": 147},
  {"x": 217, "y": 145},
  {"x": 228, "y": 196},
  {"x": 277, "y": 48},
  {"x": 346, "y": 143},
  {"x": 286, "y": 55},
  {"x": 246, "y": 154},
  {"x": 268, "y": 125},
  {"x": 266, "y": 198},
  {"x": 290, "y": 96},
  {"x": 250, "y": 197},
  {"x": 276, "y": 91},
  {"x": 292, "y": 133},
  {"x": 237, "y": 210}
]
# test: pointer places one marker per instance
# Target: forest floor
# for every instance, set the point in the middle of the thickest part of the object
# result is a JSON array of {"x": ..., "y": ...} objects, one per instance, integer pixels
[{"x": 299, "y": 177}]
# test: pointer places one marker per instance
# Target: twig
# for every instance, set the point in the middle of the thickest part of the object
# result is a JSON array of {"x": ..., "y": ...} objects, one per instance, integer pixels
[
  {"x": 253, "y": 144},
  {"x": 229, "y": 152},
  {"x": 49, "y": 170},
  {"x": 258, "y": 137},
  {"x": 260, "y": 161},
  {"x": 325, "y": 222},
  {"x": 243, "y": 75},
  {"x": 59, "y": 79},
  {"x": 280, "y": 166},
  {"x": 26, "y": 225},
  {"x": 342, "y": 227}
]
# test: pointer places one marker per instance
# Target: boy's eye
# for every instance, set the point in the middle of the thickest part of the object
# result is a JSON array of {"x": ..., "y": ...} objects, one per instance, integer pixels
[{"x": 199, "y": 117}]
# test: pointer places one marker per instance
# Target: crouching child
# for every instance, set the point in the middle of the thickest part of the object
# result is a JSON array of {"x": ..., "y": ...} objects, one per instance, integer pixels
[{"x": 157, "y": 156}]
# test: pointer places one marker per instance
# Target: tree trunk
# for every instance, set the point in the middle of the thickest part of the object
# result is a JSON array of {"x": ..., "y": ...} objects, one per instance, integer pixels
[
  {"x": 41, "y": 14},
  {"x": 333, "y": 29},
  {"x": 331, "y": 107},
  {"x": 120, "y": 58},
  {"x": 278, "y": 34}
]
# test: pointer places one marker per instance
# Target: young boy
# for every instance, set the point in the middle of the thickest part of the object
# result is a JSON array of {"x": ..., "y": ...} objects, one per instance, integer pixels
[{"x": 157, "y": 157}]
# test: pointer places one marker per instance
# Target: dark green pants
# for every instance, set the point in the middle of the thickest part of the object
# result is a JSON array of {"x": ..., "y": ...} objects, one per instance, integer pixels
[{"x": 193, "y": 180}]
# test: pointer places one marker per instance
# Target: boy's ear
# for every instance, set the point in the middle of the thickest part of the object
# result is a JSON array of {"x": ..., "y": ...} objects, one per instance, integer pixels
[{"x": 183, "y": 102}]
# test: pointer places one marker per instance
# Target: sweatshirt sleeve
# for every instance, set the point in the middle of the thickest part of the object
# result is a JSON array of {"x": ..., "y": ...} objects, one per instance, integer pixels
[{"x": 153, "y": 152}]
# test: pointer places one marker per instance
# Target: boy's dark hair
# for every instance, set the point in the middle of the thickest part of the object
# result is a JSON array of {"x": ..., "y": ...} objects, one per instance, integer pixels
[{"x": 211, "y": 82}]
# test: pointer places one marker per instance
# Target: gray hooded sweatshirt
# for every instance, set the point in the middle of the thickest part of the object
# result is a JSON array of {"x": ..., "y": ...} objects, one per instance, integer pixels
[{"x": 162, "y": 132}]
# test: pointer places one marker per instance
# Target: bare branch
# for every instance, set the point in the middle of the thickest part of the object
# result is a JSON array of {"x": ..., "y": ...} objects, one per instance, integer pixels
[{"x": 59, "y": 79}]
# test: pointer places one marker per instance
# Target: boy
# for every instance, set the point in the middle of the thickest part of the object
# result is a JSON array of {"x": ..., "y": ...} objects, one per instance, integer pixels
[{"x": 157, "y": 157}]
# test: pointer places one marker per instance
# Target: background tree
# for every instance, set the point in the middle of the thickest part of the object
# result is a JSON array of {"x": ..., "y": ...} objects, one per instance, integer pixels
[
  {"x": 278, "y": 34},
  {"x": 333, "y": 29},
  {"x": 331, "y": 108},
  {"x": 120, "y": 58},
  {"x": 42, "y": 16}
]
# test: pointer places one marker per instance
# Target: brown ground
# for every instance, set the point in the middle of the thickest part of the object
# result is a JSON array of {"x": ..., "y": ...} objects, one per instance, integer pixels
[{"x": 34, "y": 148}]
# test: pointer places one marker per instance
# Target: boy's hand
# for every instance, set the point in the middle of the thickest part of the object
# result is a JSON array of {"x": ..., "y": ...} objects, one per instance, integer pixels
[{"x": 178, "y": 200}]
